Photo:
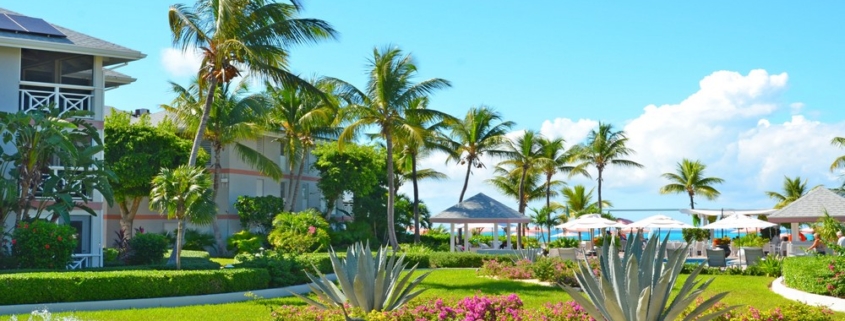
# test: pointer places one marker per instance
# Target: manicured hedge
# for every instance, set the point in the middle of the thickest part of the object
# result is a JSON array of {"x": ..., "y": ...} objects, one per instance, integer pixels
[
  {"x": 425, "y": 260},
  {"x": 50, "y": 287},
  {"x": 809, "y": 273}
]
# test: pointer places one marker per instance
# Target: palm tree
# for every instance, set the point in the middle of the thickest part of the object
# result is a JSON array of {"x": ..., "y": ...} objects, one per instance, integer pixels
[
  {"x": 385, "y": 104},
  {"x": 545, "y": 217},
  {"x": 241, "y": 35},
  {"x": 556, "y": 159},
  {"x": 235, "y": 116},
  {"x": 302, "y": 118},
  {"x": 477, "y": 134},
  {"x": 579, "y": 201},
  {"x": 183, "y": 194},
  {"x": 507, "y": 181},
  {"x": 793, "y": 189},
  {"x": 523, "y": 154},
  {"x": 604, "y": 147},
  {"x": 689, "y": 178},
  {"x": 839, "y": 161}
]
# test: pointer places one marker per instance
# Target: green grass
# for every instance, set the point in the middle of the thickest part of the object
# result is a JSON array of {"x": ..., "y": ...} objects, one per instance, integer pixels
[{"x": 445, "y": 283}]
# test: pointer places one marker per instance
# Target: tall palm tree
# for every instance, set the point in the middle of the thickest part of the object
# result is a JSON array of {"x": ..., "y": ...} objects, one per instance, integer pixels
[
  {"x": 556, "y": 159},
  {"x": 481, "y": 132},
  {"x": 235, "y": 116},
  {"x": 384, "y": 104},
  {"x": 839, "y": 161},
  {"x": 507, "y": 181},
  {"x": 689, "y": 178},
  {"x": 302, "y": 118},
  {"x": 793, "y": 189},
  {"x": 524, "y": 154},
  {"x": 604, "y": 147},
  {"x": 241, "y": 35},
  {"x": 579, "y": 201},
  {"x": 183, "y": 194}
]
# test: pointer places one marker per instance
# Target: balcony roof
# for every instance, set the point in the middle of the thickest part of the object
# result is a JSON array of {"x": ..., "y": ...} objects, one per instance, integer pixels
[{"x": 75, "y": 42}]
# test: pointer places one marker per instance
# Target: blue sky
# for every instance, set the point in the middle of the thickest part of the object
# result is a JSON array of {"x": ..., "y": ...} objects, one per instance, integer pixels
[{"x": 753, "y": 89}]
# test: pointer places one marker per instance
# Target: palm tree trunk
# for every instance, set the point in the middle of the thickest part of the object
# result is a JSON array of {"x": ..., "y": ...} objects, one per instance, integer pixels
[
  {"x": 466, "y": 180},
  {"x": 298, "y": 178},
  {"x": 215, "y": 226},
  {"x": 549, "y": 208},
  {"x": 178, "y": 249},
  {"x": 288, "y": 206},
  {"x": 695, "y": 220},
  {"x": 600, "y": 203},
  {"x": 391, "y": 195},
  {"x": 416, "y": 199},
  {"x": 206, "y": 110},
  {"x": 522, "y": 205}
]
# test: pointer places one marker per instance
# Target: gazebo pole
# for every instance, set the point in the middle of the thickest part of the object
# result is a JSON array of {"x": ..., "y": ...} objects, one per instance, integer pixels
[
  {"x": 795, "y": 237},
  {"x": 467, "y": 235},
  {"x": 451, "y": 237},
  {"x": 495, "y": 242}
]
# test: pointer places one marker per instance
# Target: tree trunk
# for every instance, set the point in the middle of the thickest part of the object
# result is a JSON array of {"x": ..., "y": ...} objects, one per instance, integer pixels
[
  {"x": 391, "y": 195},
  {"x": 127, "y": 215},
  {"x": 522, "y": 206},
  {"x": 215, "y": 225},
  {"x": 298, "y": 178},
  {"x": 209, "y": 100},
  {"x": 416, "y": 199},
  {"x": 600, "y": 204},
  {"x": 466, "y": 179},
  {"x": 178, "y": 249},
  {"x": 549, "y": 208},
  {"x": 696, "y": 221}
]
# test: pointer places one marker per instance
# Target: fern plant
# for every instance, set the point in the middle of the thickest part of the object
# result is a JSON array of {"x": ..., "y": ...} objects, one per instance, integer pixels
[
  {"x": 637, "y": 286},
  {"x": 368, "y": 282}
]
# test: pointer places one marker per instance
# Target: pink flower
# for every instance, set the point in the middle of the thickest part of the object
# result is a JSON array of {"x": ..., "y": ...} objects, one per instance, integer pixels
[
  {"x": 312, "y": 229},
  {"x": 47, "y": 246}
]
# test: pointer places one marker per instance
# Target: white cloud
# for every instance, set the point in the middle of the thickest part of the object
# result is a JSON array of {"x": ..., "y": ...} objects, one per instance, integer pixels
[
  {"x": 729, "y": 124},
  {"x": 180, "y": 64}
]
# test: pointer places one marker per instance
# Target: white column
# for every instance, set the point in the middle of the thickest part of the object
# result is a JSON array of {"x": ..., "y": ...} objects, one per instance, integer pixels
[
  {"x": 795, "y": 238},
  {"x": 467, "y": 235},
  {"x": 495, "y": 242},
  {"x": 451, "y": 237}
]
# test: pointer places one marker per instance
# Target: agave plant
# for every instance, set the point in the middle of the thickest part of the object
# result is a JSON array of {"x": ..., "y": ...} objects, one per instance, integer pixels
[
  {"x": 527, "y": 254},
  {"x": 369, "y": 282},
  {"x": 637, "y": 286}
]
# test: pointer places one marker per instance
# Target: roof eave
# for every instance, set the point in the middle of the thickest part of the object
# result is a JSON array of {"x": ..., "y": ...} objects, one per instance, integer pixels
[{"x": 60, "y": 47}]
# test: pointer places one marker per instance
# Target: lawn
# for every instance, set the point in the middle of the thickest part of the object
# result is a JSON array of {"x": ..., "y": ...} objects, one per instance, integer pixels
[{"x": 455, "y": 283}]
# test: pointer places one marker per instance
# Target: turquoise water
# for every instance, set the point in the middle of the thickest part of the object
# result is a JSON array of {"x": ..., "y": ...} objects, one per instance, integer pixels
[{"x": 674, "y": 235}]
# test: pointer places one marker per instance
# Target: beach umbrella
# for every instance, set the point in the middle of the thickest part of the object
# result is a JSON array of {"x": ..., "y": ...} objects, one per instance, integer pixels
[
  {"x": 738, "y": 221},
  {"x": 659, "y": 222},
  {"x": 587, "y": 221}
]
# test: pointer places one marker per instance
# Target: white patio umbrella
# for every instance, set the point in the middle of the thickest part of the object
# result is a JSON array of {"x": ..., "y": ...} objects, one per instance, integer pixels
[
  {"x": 587, "y": 221},
  {"x": 738, "y": 221},
  {"x": 659, "y": 221}
]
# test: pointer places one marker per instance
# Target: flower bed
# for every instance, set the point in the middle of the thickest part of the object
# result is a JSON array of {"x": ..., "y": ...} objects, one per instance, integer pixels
[
  {"x": 510, "y": 308},
  {"x": 824, "y": 275},
  {"x": 553, "y": 270}
]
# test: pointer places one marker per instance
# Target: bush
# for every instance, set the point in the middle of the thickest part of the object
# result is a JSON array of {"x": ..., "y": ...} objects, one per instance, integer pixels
[
  {"x": 245, "y": 242},
  {"x": 283, "y": 269},
  {"x": 425, "y": 260},
  {"x": 198, "y": 241},
  {"x": 49, "y": 287},
  {"x": 695, "y": 234},
  {"x": 815, "y": 274},
  {"x": 146, "y": 248},
  {"x": 301, "y": 232},
  {"x": 43, "y": 245},
  {"x": 565, "y": 242},
  {"x": 258, "y": 211},
  {"x": 356, "y": 232},
  {"x": 110, "y": 255}
]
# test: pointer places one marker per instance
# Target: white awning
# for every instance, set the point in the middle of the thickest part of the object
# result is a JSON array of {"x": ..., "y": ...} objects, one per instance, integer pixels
[{"x": 726, "y": 212}]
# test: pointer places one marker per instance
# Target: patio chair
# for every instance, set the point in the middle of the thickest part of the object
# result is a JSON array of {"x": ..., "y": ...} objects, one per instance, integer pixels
[
  {"x": 753, "y": 256},
  {"x": 716, "y": 258},
  {"x": 568, "y": 253}
]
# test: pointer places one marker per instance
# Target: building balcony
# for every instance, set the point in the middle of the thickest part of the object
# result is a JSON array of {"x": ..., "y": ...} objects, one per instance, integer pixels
[{"x": 34, "y": 95}]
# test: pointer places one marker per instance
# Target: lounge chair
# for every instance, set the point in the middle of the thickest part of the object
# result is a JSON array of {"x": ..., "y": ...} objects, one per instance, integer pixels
[
  {"x": 716, "y": 258},
  {"x": 752, "y": 256}
]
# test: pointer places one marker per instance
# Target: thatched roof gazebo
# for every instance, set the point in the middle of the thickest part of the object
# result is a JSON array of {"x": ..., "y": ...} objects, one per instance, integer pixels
[{"x": 478, "y": 209}]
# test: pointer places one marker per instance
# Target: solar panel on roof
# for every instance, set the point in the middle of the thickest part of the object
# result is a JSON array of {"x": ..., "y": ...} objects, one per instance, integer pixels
[
  {"x": 8, "y": 24},
  {"x": 36, "y": 25}
]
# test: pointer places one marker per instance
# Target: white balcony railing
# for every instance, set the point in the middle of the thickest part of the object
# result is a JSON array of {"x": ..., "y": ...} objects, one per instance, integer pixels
[
  {"x": 67, "y": 97},
  {"x": 57, "y": 170}
]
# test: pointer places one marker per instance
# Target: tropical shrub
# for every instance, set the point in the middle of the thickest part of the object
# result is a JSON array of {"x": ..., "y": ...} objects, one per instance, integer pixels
[
  {"x": 771, "y": 265},
  {"x": 257, "y": 212},
  {"x": 197, "y": 241},
  {"x": 245, "y": 242},
  {"x": 811, "y": 273},
  {"x": 43, "y": 245},
  {"x": 110, "y": 255},
  {"x": 367, "y": 281},
  {"x": 601, "y": 240},
  {"x": 301, "y": 232},
  {"x": 634, "y": 288},
  {"x": 49, "y": 287},
  {"x": 565, "y": 242},
  {"x": 284, "y": 269},
  {"x": 515, "y": 270},
  {"x": 146, "y": 248},
  {"x": 751, "y": 240},
  {"x": 360, "y": 231},
  {"x": 695, "y": 234}
]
